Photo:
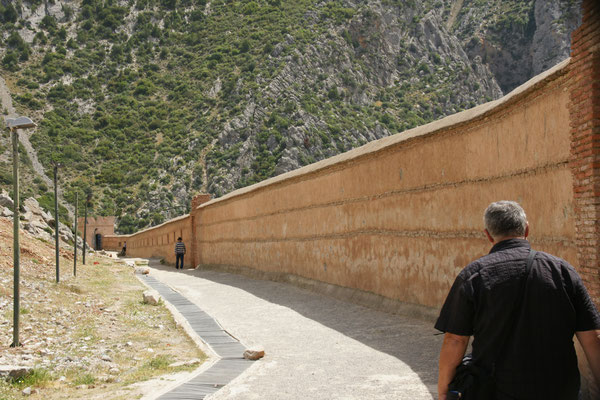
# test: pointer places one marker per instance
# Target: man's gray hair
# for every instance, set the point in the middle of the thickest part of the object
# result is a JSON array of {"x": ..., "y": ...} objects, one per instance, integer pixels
[{"x": 505, "y": 219}]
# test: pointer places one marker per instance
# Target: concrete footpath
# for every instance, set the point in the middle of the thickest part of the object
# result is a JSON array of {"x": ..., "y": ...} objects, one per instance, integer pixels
[{"x": 316, "y": 347}]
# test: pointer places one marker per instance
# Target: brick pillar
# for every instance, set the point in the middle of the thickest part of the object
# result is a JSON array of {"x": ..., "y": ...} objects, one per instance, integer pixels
[
  {"x": 584, "y": 109},
  {"x": 199, "y": 199},
  {"x": 194, "y": 216}
]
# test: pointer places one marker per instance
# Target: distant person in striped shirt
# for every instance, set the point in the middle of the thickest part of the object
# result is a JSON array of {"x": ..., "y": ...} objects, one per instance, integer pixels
[{"x": 179, "y": 252}]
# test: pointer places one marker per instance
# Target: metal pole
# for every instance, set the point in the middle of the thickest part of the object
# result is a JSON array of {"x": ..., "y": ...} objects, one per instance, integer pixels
[
  {"x": 16, "y": 248},
  {"x": 56, "y": 221},
  {"x": 85, "y": 231},
  {"x": 76, "y": 215}
]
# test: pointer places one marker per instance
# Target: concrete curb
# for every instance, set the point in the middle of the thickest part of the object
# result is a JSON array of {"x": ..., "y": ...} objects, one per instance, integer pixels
[
  {"x": 211, "y": 355},
  {"x": 226, "y": 361}
]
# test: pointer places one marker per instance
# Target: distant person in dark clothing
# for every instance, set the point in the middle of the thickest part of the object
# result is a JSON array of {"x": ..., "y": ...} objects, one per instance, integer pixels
[
  {"x": 123, "y": 250},
  {"x": 543, "y": 310},
  {"x": 179, "y": 253}
]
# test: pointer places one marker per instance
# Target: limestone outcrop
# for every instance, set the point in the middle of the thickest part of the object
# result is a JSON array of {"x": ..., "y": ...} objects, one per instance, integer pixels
[{"x": 37, "y": 221}]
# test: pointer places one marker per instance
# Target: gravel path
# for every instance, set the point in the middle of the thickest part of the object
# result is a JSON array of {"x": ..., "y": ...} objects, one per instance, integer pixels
[{"x": 316, "y": 347}]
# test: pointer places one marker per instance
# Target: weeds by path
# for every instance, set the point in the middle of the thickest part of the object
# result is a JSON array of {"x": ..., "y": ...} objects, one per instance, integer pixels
[{"x": 87, "y": 337}]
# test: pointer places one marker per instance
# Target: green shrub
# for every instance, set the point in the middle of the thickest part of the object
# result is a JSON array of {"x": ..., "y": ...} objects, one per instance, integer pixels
[{"x": 6, "y": 176}]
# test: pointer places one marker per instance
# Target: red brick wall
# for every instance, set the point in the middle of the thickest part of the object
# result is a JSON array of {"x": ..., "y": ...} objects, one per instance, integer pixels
[{"x": 584, "y": 109}]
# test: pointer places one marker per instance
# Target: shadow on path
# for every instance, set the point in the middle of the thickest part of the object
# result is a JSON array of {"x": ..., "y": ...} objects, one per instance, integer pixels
[{"x": 410, "y": 340}]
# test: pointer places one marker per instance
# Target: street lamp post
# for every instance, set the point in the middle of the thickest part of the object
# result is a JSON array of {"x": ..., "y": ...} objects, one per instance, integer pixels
[
  {"x": 14, "y": 125},
  {"x": 76, "y": 215},
  {"x": 87, "y": 200},
  {"x": 56, "y": 221}
]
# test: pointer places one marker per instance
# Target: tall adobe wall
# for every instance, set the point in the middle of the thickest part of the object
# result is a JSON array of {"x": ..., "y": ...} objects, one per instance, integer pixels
[
  {"x": 401, "y": 216},
  {"x": 159, "y": 241}
]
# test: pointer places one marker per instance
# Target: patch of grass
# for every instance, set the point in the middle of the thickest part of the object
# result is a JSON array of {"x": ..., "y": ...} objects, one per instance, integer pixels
[
  {"x": 159, "y": 362},
  {"x": 100, "y": 284},
  {"x": 38, "y": 377},
  {"x": 156, "y": 366},
  {"x": 7, "y": 392},
  {"x": 84, "y": 379},
  {"x": 105, "y": 304},
  {"x": 134, "y": 307}
]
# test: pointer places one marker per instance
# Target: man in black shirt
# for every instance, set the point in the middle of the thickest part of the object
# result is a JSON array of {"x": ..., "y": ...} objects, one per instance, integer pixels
[{"x": 536, "y": 359}]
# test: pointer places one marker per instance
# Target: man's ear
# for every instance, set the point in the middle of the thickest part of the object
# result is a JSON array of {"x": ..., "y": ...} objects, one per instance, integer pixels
[
  {"x": 490, "y": 238},
  {"x": 527, "y": 230}
]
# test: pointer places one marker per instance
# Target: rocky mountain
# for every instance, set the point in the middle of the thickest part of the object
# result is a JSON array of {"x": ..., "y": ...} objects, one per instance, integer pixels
[
  {"x": 147, "y": 102},
  {"x": 37, "y": 221},
  {"x": 516, "y": 39}
]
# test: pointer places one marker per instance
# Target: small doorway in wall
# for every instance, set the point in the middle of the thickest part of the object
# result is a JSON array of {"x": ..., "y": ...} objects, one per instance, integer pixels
[{"x": 98, "y": 241}]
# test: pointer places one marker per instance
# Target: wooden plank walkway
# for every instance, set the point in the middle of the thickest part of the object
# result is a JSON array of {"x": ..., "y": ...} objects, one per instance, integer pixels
[{"x": 229, "y": 349}]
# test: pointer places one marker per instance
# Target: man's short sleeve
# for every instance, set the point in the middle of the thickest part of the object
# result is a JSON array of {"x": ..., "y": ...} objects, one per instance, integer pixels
[
  {"x": 458, "y": 311},
  {"x": 587, "y": 317}
]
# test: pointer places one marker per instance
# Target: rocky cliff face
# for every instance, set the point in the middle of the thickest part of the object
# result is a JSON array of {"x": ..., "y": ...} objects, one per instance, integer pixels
[
  {"x": 390, "y": 68},
  {"x": 555, "y": 19},
  {"x": 148, "y": 103},
  {"x": 481, "y": 55},
  {"x": 516, "y": 39}
]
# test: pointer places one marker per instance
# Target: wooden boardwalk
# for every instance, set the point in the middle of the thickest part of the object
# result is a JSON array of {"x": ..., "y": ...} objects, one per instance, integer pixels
[{"x": 229, "y": 349}]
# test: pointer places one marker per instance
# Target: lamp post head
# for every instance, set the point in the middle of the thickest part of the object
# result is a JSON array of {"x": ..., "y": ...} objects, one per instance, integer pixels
[{"x": 19, "y": 123}]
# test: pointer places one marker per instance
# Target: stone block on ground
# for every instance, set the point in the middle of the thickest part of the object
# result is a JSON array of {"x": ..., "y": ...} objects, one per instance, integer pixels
[
  {"x": 254, "y": 353},
  {"x": 6, "y": 212},
  {"x": 47, "y": 217},
  {"x": 5, "y": 200},
  {"x": 32, "y": 205},
  {"x": 141, "y": 262},
  {"x": 65, "y": 233},
  {"x": 151, "y": 297},
  {"x": 142, "y": 270},
  {"x": 27, "y": 216},
  {"x": 34, "y": 225}
]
